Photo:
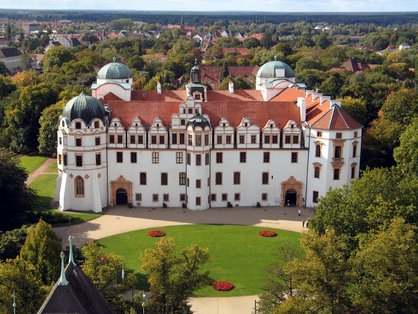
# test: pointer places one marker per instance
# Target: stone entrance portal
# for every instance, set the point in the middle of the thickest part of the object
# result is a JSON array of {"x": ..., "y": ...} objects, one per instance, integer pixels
[
  {"x": 121, "y": 192},
  {"x": 291, "y": 192}
]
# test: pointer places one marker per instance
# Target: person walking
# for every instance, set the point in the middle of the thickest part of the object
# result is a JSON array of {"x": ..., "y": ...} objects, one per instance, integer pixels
[{"x": 298, "y": 212}]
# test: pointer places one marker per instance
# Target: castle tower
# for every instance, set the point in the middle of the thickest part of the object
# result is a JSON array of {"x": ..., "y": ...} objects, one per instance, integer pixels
[{"x": 81, "y": 154}]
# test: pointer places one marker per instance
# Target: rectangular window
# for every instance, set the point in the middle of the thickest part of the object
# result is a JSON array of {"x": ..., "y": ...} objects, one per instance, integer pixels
[
  {"x": 318, "y": 134},
  {"x": 219, "y": 158},
  {"x": 294, "y": 157},
  {"x": 339, "y": 135},
  {"x": 264, "y": 197},
  {"x": 237, "y": 197},
  {"x": 181, "y": 138},
  {"x": 111, "y": 139},
  {"x": 241, "y": 139},
  {"x": 198, "y": 201},
  {"x": 179, "y": 158},
  {"x": 155, "y": 197},
  {"x": 60, "y": 140},
  {"x": 162, "y": 139},
  {"x": 295, "y": 139},
  {"x": 155, "y": 157},
  {"x": 166, "y": 197},
  {"x": 199, "y": 140},
  {"x": 337, "y": 152},
  {"x": 97, "y": 141},
  {"x": 266, "y": 157},
  {"x": 219, "y": 139},
  {"x": 182, "y": 197},
  {"x": 198, "y": 184},
  {"x": 336, "y": 174},
  {"x": 79, "y": 161},
  {"x": 317, "y": 150},
  {"x": 228, "y": 139},
  {"x": 315, "y": 195},
  {"x": 237, "y": 178},
  {"x": 275, "y": 139},
  {"x": 182, "y": 178},
  {"x": 164, "y": 178},
  {"x": 119, "y": 157},
  {"x": 133, "y": 158},
  {"x": 78, "y": 142},
  {"x": 189, "y": 140},
  {"x": 354, "y": 150},
  {"x": 353, "y": 172},
  {"x": 154, "y": 139},
  {"x": 206, "y": 139},
  {"x": 253, "y": 139},
  {"x": 207, "y": 159},
  {"x": 266, "y": 139},
  {"x": 224, "y": 197},
  {"x": 242, "y": 157},
  {"x": 218, "y": 178},
  {"x": 265, "y": 178},
  {"x": 120, "y": 139},
  {"x": 189, "y": 159},
  {"x": 59, "y": 159},
  {"x": 317, "y": 171},
  {"x": 213, "y": 197},
  {"x": 138, "y": 197},
  {"x": 287, "y": 139},
  {"x": 182, "y": 122},
  {"x": 355, "y": 134},
  {"x": 65, "y": 159},
  {"x": 174, "y": 138},
  {"x": 143, "y": 178},
  {"x": 198, "y": 159},
  {"x": 140, "y": 139},
  {"x": 98, "y": 159},
  {"x": 188, "y": 182},
  {"x": 132, "y": 139}
]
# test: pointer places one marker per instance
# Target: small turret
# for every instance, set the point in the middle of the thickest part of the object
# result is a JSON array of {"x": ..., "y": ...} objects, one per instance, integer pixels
[{"x": 195, "y": 73}]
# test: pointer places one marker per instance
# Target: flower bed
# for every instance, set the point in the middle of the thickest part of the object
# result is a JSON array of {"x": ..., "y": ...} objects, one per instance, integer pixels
[
  {"x": 267, "y": 233},
  {"x": 223, "y": 286},
  {"x": 156, "y": 233}
]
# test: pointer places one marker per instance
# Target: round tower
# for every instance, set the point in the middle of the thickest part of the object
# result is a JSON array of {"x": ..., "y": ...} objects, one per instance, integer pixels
[
  {"x": 198, "y": 162},
  {"x": 81, "y": 154}
]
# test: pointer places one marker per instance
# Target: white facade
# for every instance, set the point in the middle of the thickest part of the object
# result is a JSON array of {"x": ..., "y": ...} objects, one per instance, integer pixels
[{"x": 198, "y": 163}]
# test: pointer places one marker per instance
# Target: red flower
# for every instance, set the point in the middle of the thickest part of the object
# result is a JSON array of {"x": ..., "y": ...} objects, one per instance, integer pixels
[
  {"x": 223, "y": 285},
  {"x": 156, "y": 233},
  {"x": 267, "y": 233}
]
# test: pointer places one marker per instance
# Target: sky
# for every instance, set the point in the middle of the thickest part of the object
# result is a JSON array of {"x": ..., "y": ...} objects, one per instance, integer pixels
[{"x": 219, "y": 5}]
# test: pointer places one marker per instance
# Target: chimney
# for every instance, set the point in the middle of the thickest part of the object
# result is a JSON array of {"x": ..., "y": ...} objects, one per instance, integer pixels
[
  {"x": 159, "y": 90},
  {"x": 231, "y": 87},
  {"x": 302, "y": 108}
]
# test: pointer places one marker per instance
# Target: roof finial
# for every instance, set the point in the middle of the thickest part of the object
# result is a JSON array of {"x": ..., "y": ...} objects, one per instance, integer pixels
[
  {"x": 83, "y": 86},
  {"x": 195, "y": 61},
  {"x": 62, "y": 281},
  {"x": 275, "y": 57},
  {"x": 71, "y": 255},
  {"x": 114, "y": 58}
]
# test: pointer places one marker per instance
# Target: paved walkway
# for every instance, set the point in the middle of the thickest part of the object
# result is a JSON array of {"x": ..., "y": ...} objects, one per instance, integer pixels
[
  {"x": 122, "y": 219},
  {"x": 40, "y": 170}
]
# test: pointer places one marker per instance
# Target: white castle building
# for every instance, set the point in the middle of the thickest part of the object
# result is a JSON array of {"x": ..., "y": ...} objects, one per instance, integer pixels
[{"x": 276, "y": 145}]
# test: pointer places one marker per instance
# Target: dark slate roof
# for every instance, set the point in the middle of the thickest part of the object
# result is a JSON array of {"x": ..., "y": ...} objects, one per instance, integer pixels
[
  {"x": 198, "y": 120},
  {"x": 79, "y": 296},
  {"x": 9, "y": 52}
]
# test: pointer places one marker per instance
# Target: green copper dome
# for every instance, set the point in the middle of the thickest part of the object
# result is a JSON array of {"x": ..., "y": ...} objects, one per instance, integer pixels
[
  {"x": 268, "y": 70},
  {"x": 114, "y": 71},
  {"x": 198, "y": 120},
  {"x": 83, "y": 107}
]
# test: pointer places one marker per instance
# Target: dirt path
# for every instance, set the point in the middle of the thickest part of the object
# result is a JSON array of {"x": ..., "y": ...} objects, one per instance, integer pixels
[{"x": 39, "y": 171}]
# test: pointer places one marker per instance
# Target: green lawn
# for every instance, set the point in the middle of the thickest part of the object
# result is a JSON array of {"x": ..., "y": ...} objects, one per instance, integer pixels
[
  {"x": 31, "y": 163},
  {"x": 52, "y": 168},
  {"x": 44, "y": 185},
  {"x": 238, "y": 254}
]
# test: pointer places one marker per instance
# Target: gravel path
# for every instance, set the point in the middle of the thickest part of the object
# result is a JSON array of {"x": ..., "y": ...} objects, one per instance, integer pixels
[{"x": 40, "y": 170}]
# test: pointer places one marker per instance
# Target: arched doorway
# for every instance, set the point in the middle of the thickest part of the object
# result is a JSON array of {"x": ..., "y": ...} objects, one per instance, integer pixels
[
  {"x": 121, "y": 197},
  {"x": 291, "y": 197}
]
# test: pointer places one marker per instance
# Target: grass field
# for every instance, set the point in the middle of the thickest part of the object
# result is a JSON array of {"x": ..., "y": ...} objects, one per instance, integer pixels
[
  {"x": 31, "y": 163},
  {"x": 237, "y": 253}
]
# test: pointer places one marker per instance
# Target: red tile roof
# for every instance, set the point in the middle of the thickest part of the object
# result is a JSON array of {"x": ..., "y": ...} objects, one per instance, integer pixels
[
  {"x": 243, "y": 70},
  {"x": 335, "y": 119}
]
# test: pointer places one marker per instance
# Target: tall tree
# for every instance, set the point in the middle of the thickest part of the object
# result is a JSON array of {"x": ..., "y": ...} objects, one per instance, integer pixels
[
  {"x": 173, "y": 278},
  {"x": 406, "y": 155},
  {"x": 42, "y": 250},
  {"x": 48, "y": 131},
  {"x": 56, "y": 57},
  {"x": 16, "y": 198}
]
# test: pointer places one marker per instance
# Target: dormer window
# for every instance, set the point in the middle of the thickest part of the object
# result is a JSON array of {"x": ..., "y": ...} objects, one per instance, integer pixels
[
  {"x": 96, "y": 124},
  {"x": 78, "y": 125},
  {"x": 190, "y": 110},
  {"x": 115, "y": 124},
  {"x": 63, "y": 124}
]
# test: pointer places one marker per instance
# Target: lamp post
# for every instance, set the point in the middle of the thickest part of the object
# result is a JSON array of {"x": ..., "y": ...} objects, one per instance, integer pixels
[
  {"x": 14, "y": 302},
  {"x": 143, "y": 302}
]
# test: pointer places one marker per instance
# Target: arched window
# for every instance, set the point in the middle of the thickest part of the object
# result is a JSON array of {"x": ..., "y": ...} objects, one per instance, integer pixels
[
  {"x": 96, "y": 124},
  {"x": 318, "y": 150},
  {"x": 78, "y": 125},
  {"x": 79, "y": 186},
  {"x": 354, "y": 150}
]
